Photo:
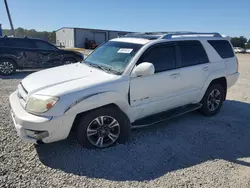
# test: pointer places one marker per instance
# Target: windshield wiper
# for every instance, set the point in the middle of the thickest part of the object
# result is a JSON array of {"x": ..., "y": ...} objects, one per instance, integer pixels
[
  {"x": 98, "y": 66},
  {"x": 104, "y": 68}
]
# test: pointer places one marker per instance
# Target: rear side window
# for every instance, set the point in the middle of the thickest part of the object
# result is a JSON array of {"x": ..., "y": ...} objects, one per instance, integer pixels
[
  {"x": 19, "y": 43},
  {"x": 162, "y": 57},
  {"x": 192, "y": 53},
  {"x": 222, "y": 47}
]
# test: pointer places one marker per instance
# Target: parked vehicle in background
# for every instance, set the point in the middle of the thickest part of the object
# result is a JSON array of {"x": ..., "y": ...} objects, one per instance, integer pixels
[
  {"x": 90, "y": 44},
  {"x": 239, "y": 50},
  {"x": 30, "y": 53},
  {"x": 248, "y": 51},
  {"x": 130, "y": 82}
]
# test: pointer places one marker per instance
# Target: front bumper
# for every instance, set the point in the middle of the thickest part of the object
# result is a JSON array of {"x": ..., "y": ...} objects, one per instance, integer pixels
[{"x": 51, "y": 128}]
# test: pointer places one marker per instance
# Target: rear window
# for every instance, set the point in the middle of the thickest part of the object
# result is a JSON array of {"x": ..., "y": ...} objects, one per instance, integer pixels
[{"x": 222, "y": 47}]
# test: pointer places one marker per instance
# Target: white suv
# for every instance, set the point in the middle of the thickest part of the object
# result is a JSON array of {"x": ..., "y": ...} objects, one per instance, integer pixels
[{"x": 129, "y": 82}]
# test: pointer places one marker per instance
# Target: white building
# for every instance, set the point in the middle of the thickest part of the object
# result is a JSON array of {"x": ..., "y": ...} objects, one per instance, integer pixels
[{"x": 70, "y": 37}]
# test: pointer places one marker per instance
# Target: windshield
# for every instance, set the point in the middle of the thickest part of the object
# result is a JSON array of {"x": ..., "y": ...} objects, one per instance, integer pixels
[{"x": 113, "y": 56}]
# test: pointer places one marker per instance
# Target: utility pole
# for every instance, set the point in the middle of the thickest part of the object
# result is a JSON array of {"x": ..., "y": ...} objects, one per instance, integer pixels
[{"x": 8, "y": 12}]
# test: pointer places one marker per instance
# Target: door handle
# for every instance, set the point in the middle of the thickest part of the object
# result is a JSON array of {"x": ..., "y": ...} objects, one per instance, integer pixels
[{"x": 205, "y": 68}]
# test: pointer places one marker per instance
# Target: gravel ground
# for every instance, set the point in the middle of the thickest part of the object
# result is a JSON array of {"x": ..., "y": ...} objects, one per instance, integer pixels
[{"x": 189, "y": 151}]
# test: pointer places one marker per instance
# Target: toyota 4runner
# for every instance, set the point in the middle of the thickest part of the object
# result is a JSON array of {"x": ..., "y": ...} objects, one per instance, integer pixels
[{"x": 138, "y": 80}]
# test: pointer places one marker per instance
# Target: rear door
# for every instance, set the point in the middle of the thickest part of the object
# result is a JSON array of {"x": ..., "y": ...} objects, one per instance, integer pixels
[
  {"x": 49, "y": 55},
  {"x": 195, "y": 68},
  {"x": 23, "y": 50}
]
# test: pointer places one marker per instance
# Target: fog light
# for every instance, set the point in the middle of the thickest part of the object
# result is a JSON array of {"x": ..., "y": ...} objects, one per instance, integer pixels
[{"x": 38, "y": 135}]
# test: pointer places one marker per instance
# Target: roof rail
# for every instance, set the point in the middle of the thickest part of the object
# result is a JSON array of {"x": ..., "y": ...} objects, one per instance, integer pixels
[
  {"x": 169, "y": 35},
  {"x": 145, "y": 35},
  {"x": 189, "y": 34}
]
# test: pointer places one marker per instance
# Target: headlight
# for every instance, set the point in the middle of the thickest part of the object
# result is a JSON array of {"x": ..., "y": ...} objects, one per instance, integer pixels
[{"x": 40, "y": 103}]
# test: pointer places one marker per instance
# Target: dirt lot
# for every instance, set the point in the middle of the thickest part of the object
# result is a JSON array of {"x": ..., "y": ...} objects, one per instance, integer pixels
[{"x": 189, "y": 151}]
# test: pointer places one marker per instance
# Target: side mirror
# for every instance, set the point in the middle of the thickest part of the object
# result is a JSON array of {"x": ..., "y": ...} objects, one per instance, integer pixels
[{"x": 144, "y": 69}]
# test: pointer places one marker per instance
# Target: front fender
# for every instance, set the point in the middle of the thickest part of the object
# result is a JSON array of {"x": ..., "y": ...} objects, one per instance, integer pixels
[{"x": 98, "y": 100}]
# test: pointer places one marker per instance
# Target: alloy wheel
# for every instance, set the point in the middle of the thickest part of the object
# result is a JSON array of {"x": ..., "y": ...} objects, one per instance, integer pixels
[
  {"x": 103, "y": 131},
  {"x": 214, "y": 100},
  {"x": 6, "y": 67}
]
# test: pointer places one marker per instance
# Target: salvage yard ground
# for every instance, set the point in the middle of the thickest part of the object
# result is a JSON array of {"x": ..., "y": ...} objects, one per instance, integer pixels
[{"x": 189, "y": 151}]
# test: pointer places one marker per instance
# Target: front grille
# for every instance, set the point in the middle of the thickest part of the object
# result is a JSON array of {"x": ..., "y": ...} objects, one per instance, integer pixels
[{"x": 22, "y": 94}]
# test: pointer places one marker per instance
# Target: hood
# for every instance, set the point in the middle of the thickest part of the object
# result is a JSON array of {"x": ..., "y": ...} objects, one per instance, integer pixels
[{"x": 64, "y": 78}]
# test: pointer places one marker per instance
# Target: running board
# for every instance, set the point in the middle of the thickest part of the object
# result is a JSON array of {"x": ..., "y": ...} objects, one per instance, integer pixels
[{"x": 160, "y": 117}]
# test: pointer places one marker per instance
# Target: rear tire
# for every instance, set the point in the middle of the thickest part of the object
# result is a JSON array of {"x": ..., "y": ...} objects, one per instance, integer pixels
[
  {"x": 7, "y": 67},
  {"x": 212, "y": 100},
  {"x": 103, "y": 127}
]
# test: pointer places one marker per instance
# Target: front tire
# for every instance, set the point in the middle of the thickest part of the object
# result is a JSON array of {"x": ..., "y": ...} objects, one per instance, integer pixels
[
  {"x": 7, "y": 67},
  {"x": 103, "y": 127},
  {"x": 212, "y": 100},
  {"x": 67, "y": 61}
]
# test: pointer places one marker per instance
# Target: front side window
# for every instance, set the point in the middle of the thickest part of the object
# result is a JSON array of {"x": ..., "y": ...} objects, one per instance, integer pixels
[
  {"x": 192, "y": 53},
  {"x": 113, "y": 56},
  {"x": 45, "y": 46},
  {"x": 163, "y": 57}
]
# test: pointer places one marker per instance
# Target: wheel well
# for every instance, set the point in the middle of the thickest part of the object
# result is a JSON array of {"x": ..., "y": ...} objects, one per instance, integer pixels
[
  {"x": 223, "y": 82},
  {"x": 12, "y": 59},
  {"x": 69, "y": 58},
  {"x": 78, "y": 116}
]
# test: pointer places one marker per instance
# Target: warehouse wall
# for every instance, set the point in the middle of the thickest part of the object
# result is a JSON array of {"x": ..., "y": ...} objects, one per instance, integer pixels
[
  {"x": 82, "y": 35},
  {"x": 65, "y": 37},
  {"x": 76, "y": 37},
  {"x": 115, "y": 34}
]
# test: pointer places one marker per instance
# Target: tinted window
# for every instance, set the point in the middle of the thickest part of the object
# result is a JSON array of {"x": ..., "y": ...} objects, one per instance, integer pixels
[
  {"x": 222, "y": 47},
  {"x": 1, "y": 42},
  {"x": 192, "y": 53},
  {"x": 163, "y": 57},
  {"x": 45, "y": 46},
  {"x": 19, "y": 43}
]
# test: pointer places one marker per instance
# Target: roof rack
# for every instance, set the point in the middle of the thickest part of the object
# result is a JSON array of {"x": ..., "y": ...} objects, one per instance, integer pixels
[
  {"x": 145, "y": 35},
  {"x": 169, "y": 35},
  {"x": 190, "y": 34}
]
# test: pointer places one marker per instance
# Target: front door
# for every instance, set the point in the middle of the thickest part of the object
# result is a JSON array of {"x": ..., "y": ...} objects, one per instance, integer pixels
[
  {"x": 158, "y": 92},
  {"x": 48, "y": 55}
]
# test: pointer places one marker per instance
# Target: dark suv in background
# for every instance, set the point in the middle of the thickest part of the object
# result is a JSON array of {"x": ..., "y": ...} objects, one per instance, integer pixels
[{"x": 30, "y": 53}]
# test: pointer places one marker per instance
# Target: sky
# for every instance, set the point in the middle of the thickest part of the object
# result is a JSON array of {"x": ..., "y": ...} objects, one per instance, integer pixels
[{"x": 228, "y": 17}]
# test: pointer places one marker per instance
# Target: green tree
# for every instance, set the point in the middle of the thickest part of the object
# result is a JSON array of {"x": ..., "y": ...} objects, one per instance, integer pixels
[
  {"x": 44, "y": 35},
  {"x": 248, "y": 44},
  {"x": 239, "y": 41}
]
